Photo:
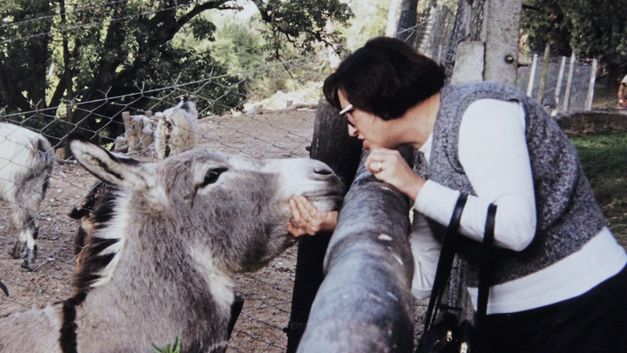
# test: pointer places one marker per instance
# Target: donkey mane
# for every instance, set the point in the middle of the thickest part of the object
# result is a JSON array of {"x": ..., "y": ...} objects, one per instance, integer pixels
[{"x": 99, "y": 251}]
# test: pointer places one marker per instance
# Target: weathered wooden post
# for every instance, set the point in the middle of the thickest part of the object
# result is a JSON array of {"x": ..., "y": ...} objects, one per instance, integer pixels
[
  {"x": 569, "y": 82},
  {"x": 131, "y": 132},
  {"x": 332, "y": 145},
  {"x": 147, "y": 134},
  {"x": 545, "y": 72},
  {"x": 364, "y": 303},
  {"x": 590, "y": 94},
  {"x": 532, "y": 75},
  {"x": 558, "y": 85}
]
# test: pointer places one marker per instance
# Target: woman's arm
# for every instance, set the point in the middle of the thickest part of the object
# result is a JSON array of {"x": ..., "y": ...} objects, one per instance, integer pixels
[{"x": 493, "y": 152}]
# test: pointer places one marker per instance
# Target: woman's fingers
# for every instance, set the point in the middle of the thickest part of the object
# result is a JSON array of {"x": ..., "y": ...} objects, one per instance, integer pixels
[
  {"x": 294, "y": 230},
  {"x": 382, "y": 159},
  {"x": 306, "y": 218},
  {"x": 390, "y": 167},
  {"x": 299, "y": 213}
]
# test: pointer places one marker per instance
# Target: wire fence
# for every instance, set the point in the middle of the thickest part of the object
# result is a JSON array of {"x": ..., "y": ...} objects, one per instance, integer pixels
[{"x": 563, "y": 85}]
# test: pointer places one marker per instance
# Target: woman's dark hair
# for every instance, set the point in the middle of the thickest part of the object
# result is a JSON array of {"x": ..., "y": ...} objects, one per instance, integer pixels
[{"x": 384, "y": 77}]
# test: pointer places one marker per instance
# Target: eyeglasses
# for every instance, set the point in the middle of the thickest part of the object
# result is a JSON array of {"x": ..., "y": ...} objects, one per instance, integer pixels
[{"x": 344, "y": 113}]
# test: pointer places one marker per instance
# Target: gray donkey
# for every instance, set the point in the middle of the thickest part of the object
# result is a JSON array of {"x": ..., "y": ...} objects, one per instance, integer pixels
[{"x": 160, "y": 262}]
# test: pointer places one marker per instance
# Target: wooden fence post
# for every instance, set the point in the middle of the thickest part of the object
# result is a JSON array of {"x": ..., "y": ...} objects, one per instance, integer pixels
[
  {"x": 569, "y": 82},
  {"x": 364, "y": 303},
  {"x": 545, "y": 72},
  {"x": 532, "y": 75},
  {"x": 558, "y": 85},
  {"x": 332, "y": 145},
  {"x": 593, "y": 76},
  {"x": 147, "y": 135}
]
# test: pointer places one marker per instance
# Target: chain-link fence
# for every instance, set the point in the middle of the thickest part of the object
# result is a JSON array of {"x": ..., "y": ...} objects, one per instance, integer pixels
[{"x": 561, "y": 84}]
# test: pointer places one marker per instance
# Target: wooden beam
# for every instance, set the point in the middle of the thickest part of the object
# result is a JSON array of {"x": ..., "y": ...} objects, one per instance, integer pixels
[
  {"x": 364, "y": 303},
  {"x": 332, "y": 145}
]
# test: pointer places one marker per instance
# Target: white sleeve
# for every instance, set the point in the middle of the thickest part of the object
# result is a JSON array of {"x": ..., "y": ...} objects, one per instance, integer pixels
[
  {"x": 493, "y": 152},
  {"x": 426, "y": 251}
]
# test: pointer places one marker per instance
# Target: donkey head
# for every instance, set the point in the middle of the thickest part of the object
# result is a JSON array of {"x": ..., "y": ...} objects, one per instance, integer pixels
[{"x": 222, "y": 209}]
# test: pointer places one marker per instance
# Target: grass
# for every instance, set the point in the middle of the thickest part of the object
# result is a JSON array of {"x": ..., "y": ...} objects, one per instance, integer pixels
[
  {"x": 604, "y": 159},
  {"x": 170, "y": 348}
]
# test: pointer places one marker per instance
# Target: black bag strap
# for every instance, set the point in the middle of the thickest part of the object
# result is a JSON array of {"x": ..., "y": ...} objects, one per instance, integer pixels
[
  {"x": 445, "y": 261},
  {"x": 485, "y": 268}
]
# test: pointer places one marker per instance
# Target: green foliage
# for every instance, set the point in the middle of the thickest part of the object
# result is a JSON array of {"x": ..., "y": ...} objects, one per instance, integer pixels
[
  {"x": 245, "y": 54},
  {"x": 301, "y": 22},
  {"x": 604, "y": 158},
  {"x": 19, "y": 56},
  {"x": 173, "y": 348},
  {"x": 369, "y": 21},
  {"x": 82, "y": 50},
  {"x": 592, "y": 28}
]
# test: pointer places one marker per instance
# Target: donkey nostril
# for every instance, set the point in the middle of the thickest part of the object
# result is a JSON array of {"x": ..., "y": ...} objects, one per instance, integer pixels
[{"x": 322, "y": 171}]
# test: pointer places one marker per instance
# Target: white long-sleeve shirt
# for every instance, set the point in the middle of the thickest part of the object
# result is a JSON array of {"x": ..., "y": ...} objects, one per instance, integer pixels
[{"x": 493, "y": 152}]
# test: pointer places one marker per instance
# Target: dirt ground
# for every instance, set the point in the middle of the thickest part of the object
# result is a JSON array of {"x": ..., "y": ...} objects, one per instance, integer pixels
[{"x": 267, "y": 293}]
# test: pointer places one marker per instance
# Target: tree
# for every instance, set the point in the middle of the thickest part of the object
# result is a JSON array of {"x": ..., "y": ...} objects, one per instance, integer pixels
[
  {"x": 79, "y": 51},
  {"x": 591, "y": 28},
  {"x": 405, "y": 30}
]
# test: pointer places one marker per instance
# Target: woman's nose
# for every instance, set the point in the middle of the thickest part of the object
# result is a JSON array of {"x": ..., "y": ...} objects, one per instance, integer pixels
[{"x": 352, "y": 132}]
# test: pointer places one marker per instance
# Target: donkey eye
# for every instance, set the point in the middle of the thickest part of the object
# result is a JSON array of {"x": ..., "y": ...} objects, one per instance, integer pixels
[{"x": 212, "y": 176}]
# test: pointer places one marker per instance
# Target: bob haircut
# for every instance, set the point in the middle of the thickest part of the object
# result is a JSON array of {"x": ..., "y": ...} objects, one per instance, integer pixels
[{"x": 385, "y": 77}]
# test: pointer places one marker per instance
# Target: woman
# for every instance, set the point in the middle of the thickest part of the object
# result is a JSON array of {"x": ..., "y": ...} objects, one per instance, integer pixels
[{"x": 560, "y": 278}]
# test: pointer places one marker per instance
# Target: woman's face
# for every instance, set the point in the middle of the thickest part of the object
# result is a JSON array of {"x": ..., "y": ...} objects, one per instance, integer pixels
[{"x": 367, "y": 127}]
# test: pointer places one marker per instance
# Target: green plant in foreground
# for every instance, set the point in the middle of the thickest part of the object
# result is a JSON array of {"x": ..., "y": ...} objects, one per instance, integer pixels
[{"x": 170, "y": 348}]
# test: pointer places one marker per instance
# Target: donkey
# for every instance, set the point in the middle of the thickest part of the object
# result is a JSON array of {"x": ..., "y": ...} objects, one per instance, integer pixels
[
  {"x": 161, "y": 260},
  {"x": 26, "y": 160},
  {"x": 176, "y": 129}
]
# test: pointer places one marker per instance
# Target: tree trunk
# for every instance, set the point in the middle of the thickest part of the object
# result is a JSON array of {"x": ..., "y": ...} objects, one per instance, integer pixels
[{"x": 406, "y": 29}]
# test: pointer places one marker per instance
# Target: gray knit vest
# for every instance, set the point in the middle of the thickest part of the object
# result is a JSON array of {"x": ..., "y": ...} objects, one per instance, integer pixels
[{"x": 567, "y": 213}]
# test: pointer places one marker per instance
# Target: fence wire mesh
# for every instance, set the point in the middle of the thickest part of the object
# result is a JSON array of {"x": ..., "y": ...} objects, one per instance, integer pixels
[{"x": 548, "y": 87}]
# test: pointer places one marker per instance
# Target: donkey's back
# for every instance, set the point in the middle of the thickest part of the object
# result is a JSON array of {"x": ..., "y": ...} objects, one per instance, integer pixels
[
  {"x": 25, "y": 167},
  {"x": 35, "y": 330}
]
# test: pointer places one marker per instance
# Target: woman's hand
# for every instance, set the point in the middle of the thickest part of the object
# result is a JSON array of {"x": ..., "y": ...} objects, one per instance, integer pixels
[
  {"x": 307, "y": 219},
  {"x": 390, "y": 167}
]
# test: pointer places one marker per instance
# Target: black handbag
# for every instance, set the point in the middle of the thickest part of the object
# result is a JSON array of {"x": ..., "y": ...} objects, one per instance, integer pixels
[{"x": 445, "y": 331}]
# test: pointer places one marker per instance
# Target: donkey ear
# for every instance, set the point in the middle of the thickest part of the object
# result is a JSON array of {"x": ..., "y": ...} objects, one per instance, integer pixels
[{"x": 125, "y": 173}]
